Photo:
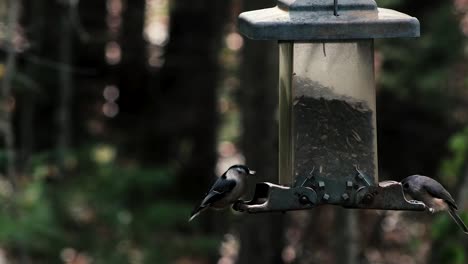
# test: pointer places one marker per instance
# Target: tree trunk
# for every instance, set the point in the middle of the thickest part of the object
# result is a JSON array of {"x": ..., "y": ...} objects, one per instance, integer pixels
[
  {"x": 347, "y": 239},
  {"x": 261, "y": 235},
  {"x": 187, "y": 103},
  {"x": 7, "y": 99},
  {"x": 65, "y": 86},
  {"x": 6, "y": 92}
]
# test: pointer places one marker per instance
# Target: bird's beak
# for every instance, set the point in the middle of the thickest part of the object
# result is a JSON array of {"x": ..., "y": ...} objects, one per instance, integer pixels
[{"x": 251, "y": 172}]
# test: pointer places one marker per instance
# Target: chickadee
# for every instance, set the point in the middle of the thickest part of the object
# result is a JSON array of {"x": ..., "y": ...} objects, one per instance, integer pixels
[
  {"x": 226, "y": 190},
  {"x": 433, "y": 195}
]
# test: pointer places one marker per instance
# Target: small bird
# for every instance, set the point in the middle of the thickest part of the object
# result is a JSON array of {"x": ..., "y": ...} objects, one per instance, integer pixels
[
  {"x": 226, "y": 190},
  {"x": 433, "y": 195}
]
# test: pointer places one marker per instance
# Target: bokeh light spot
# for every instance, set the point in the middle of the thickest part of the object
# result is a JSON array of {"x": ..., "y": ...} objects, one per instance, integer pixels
[
  {"x": 234, "y": 41},
  {"x": 111, "y": 93},
  {"x": 110, "y": 109},
  {"x": 113, "y": 53}
]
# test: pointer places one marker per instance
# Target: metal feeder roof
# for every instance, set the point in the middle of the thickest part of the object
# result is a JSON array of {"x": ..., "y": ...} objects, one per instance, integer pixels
[{"x": 314, "y": 20}]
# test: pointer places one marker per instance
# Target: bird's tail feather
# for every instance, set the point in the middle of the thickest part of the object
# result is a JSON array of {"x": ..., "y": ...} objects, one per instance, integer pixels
[
  {"x": 196, "y": 212},
  {"x": 458, "y": 220}
]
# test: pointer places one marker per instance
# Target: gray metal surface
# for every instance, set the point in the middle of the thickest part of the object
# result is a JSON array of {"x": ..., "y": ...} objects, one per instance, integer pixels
[
  {"x": 387, "y": 195},
  {"x": 270, "y": 197},
  {"x": 325, "y": 5},
  {"x": 314, "y": 20}
]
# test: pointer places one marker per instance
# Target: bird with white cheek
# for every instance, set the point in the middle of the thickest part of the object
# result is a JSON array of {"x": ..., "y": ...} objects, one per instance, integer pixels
[
  {"x": 433, "y": 195},
  {"x": 227, "y": 189}
]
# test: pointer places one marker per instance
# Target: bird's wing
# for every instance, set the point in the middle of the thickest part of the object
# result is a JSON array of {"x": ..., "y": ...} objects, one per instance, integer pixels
[
  {"x": 439, "y": 191},
  {"x": 220, "y": 188}
]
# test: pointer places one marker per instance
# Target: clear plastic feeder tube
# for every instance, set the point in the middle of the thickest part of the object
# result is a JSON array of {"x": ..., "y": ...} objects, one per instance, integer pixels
[{"x": 327, "y": 110}]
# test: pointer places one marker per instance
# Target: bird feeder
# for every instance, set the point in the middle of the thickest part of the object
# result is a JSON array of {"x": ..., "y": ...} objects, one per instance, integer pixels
[{"x": 327, "y": 104}]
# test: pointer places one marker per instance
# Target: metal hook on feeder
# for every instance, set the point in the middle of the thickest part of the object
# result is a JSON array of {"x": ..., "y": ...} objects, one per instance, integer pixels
[
  {"x": 309, "y": 177},
  {"x": 362, "y": 176},
  {"x": 335, "y": 7}
]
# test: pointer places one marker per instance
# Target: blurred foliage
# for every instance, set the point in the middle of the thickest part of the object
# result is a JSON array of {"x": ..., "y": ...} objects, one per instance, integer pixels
[
  {"x": 420, "y": 69},
  {"x": 112, "y": 212},
  {"x": 453, "y": 166},
  {"x": 451, "y": 250},
  {"x": 444, "y": 225},
  {"x": 425, "y": 73},
  {"x": 443, "y": 228}
]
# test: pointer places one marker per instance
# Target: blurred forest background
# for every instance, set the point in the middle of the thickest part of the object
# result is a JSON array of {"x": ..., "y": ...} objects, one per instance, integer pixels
[{"x": 116, "y": 115}]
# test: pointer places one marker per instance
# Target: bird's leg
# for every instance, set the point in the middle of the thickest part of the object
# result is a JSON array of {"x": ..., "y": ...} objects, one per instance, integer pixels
[{"x": 335, "y": 7}]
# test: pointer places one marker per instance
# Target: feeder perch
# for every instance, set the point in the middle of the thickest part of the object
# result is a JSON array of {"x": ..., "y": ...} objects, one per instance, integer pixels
[{"x": 327, "y": 105}]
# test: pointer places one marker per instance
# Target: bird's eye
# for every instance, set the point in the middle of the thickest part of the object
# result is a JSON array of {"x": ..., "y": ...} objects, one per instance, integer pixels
[
  {"x": 241, "y": 170},
  {"x": 405, "y": 186}
]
